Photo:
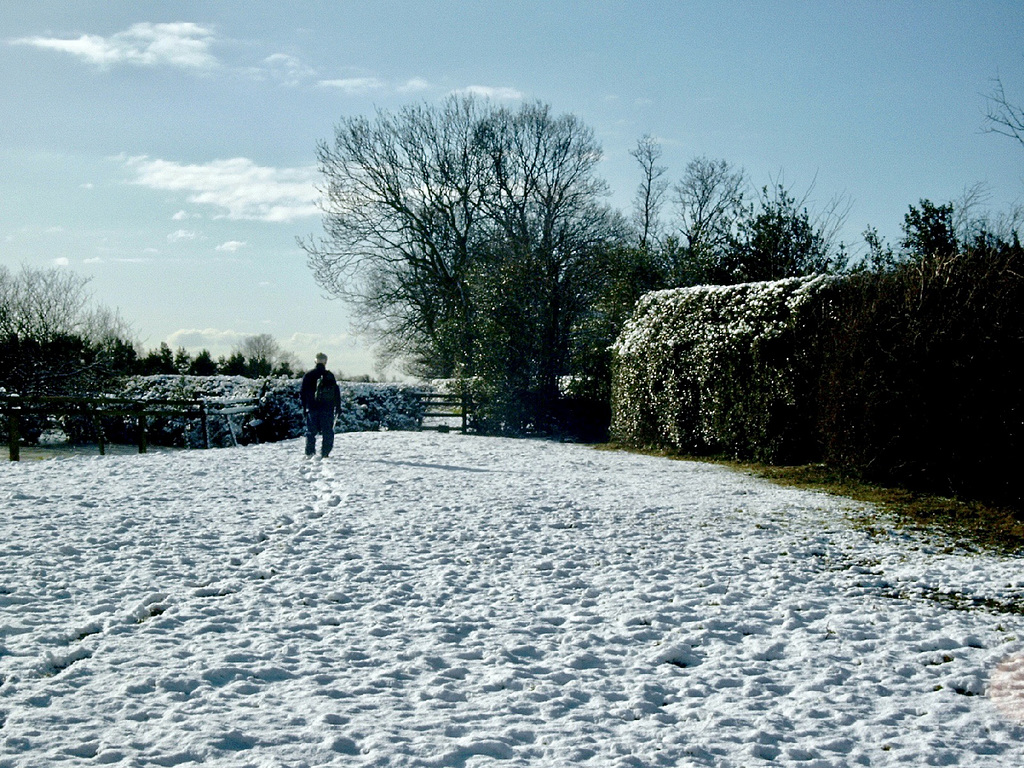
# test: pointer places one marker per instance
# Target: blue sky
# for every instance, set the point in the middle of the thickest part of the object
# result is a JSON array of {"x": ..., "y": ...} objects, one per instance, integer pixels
[{"x": 166, "y": 149}]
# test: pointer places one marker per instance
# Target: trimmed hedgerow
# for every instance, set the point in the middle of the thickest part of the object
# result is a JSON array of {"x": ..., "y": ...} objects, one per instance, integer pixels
[
  {"x": 902, "y": 376},
  {"x": 722, "y": 369},
  {"x": 919, "y": 385},
  {"x": 278, "y": 416}
]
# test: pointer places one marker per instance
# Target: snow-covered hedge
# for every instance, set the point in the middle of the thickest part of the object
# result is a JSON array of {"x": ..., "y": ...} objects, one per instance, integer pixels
[
  {"x": 722, "y": 368},
  {"x": 364, "y": 407}
]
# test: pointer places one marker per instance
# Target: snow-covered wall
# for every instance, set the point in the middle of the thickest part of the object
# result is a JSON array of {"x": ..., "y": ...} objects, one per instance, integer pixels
[{"x": 721, "y": 368}]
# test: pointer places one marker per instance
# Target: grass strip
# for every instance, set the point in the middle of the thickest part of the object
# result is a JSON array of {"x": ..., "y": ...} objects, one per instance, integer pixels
[{"x": 964, "y": 524}]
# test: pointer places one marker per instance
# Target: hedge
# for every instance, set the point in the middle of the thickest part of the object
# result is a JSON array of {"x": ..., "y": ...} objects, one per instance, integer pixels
[
  {"x": 905, "y": 376},
  {"x": 722, "y": 368},
  {"x": 920, "y": 385},
  {"x": 278, "y": 416}
]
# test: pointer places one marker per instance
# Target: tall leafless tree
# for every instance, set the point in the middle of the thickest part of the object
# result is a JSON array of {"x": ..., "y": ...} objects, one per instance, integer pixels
[
  {"x": 42, "y": 303},
  {"x": 650, "y": 193},
  {"x": 468, "y": 234},
  {"x": 709, "y": 205},
  {"x": 402, "y": 204},
  {"x": 264, "y": 355},
  {"x": 1003, "y": 116}
]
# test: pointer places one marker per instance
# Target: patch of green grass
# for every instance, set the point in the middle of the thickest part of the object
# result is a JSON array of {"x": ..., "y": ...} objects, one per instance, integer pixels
[{"x": 971, "y": 525}]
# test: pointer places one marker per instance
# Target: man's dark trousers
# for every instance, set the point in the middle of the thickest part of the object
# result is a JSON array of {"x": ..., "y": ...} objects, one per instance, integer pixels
[{"x": 320, "y": 421}]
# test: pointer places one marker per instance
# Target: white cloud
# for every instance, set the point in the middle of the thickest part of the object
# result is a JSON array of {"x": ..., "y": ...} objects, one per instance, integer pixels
[
  {"x": 219, "y": 342},
  {"x": 231, "y": 246},
  {"x": 61, "y": 261},
  {"x": 353, "y": 86},
  {"x": 492, "y": 92},
  {"x": 345, "y": 352},
  {"x": 239, "y": 187},
  {"x": 287, "y": 69},
  {"x": 182, "y": 234},
  {"x": 414, "y": 85},
  {"x": 181, "y": 44}
]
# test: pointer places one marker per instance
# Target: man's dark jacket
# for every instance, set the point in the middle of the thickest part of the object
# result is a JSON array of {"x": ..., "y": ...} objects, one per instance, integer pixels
[{"x": 308, "y": 389}]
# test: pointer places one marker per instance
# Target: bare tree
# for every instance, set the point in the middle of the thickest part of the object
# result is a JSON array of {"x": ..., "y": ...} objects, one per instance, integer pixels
[
  {"x": 264, "y": 355},
  {"x": 1002, "y": 116},
  {"x": 650, "y": 193},
  {"x": 709, "y": 198},
  {"x": 101, "y": 325},
  {"x": 437, "y": 216},
  {"x": 42, "y": 303},
  {"x": 709, "y": 204},
  {"x": 53, "y": 337},
  {"x": 827, "y": 219},
  {"x": 402, "y": 209},
  {"x": 972, "y": 216}
]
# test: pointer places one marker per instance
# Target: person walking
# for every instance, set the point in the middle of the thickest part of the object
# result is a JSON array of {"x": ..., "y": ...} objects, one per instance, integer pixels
[{"x": 321, "y": 398}]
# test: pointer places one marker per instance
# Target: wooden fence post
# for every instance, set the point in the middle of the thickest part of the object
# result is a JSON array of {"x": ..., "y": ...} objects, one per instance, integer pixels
[
  {"x": 14, "y": 443},
  {"x": 101, "y": 437},
  {"x": 204, "y": 417},
  {"x": 142, "y": 432}
]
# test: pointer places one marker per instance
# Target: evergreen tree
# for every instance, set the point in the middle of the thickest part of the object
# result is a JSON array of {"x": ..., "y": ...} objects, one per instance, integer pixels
[
  {"x": 235, "y": 365},
  {"x": 203, "y": 364},
  {"x": 159, "y": 362},
  {"x": 778, "y": 240},
  {"x": 182, "y": 361}
]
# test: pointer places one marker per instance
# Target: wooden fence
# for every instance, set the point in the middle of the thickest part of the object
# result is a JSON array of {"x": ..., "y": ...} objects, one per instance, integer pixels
[
  {"x": 15, "y": 407},
  {"x": 437, "y": 405}
]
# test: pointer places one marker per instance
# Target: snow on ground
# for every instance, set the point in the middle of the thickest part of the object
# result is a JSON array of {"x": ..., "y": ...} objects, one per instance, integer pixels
[{"x": 446, "y": 600}]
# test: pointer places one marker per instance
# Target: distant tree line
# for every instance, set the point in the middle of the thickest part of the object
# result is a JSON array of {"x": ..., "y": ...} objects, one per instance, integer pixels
[
  {"x": 256, "y": 357},
  {"x": 55, "y": 339}
]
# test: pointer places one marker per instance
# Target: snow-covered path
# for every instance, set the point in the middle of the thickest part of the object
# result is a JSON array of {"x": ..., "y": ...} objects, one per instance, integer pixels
[{"x": 442, "y": 600}]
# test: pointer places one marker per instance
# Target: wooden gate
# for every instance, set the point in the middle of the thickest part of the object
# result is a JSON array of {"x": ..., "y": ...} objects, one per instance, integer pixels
[{"x": 436, "y": 405}]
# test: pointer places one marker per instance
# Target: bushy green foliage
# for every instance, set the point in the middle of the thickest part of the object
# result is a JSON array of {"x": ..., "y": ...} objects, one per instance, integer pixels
[
  {"x": 721, "y": 368},
  {"x": 902, "y": 372},
  {"x": 919, "y": 385},
  {"x": 778, "y": 240}
]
